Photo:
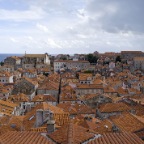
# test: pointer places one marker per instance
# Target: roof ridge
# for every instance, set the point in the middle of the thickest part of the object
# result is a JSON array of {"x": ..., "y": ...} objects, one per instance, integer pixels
[{"x": 70, "y": 135}]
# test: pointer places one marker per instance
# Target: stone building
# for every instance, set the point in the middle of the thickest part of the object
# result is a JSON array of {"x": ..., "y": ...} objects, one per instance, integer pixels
[
  {"x": 13, "y": 61},
  {"x": 139, "y": 63},
  {"x": 89, "y": 89},
  {"x": 6, "y": 77},
  {"x": 25, "y": 86},
  {"x": 128, "y": 55},
  {"x": 70, "y": 64},
  {"x": 35, "y": 61}
]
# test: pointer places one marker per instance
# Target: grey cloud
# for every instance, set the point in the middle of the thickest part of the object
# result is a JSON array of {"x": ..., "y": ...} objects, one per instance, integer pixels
[{"x": 117, "y": 15}]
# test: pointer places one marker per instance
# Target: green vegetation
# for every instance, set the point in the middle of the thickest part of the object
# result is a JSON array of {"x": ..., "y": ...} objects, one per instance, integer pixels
[
  {"x": 91, "y": 58},
  {"x": 1, "y": 63},
  {"x": 118, "y": 58}
]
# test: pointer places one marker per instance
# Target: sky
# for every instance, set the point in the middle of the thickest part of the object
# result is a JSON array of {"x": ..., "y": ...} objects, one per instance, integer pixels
[{"x": 71, "y": 26}]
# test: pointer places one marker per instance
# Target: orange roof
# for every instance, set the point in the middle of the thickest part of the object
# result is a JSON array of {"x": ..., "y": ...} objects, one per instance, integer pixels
[
  {"x": 24, "y": 137},
  {"x": 71, "y": 61},
  {"x": 138, "y": 58},
  {"x": 88, "y": 96},
  {"x": 89, "y": 86},
  {"x": 42, "y": 98},
  {"x": 71, "y": 133},
  {"x": 5, "y": 74},
  {"x": 76, "y": 108},
  {"x": 19, "y": 98},
  {"x": 117, "y": 138},
  {"x": 60, "y": 116},
  {"x": 83, "y": 76},
  {"x": 68, "y": 97},
  {"x": 49, "y": 85},
  {"x": 114, "y": 107},
  {"x": 35, "y": 55},
  {"x": 104, "y": 126},
  {"x": 127, "y": 122}
]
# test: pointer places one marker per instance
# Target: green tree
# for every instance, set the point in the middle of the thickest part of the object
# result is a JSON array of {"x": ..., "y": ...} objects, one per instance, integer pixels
[
  {"x": 91, "y": 58},
  {"x": 1, "y": 63},
  {"x": 118, "y": 58}
]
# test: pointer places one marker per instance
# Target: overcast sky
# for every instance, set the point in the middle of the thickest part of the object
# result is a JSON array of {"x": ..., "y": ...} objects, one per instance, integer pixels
[{"x": 71, "y": 26}]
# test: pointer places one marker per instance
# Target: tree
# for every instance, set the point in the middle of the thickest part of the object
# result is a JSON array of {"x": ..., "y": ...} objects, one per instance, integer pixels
[
  {"x": 1, "y": 63},
  {"x": 91, "y": 58},
  {"x": 118, "y": 58}
]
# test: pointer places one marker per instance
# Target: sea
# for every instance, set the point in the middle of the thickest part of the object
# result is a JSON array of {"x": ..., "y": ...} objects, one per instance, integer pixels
[{"x": 4, "y": 56}]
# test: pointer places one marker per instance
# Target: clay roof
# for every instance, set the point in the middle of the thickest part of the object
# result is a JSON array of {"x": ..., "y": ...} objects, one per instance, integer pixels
[
  {"x": 134, "y": 52},
  {"x": 114, "y": 107},
  {"x": 60, "y": 116},
  {"x": 7, "y": 107},
  {"x": 122, "y": 91},
  {"x": 5, "y": 129},
  {"x": 88, "y": 124},
  {"x": 35, "y": 55},
  {"x": 15, "y": 57},
  {"x": 127, "y": 122},
  {"x": 71, "y": 61},
  {"x": 71, "y": 133},
  {"x": 32, "y": 81},
  {"x": 19, "y": 98},
  {"x": 25, "y": 137},
  {"x": 68, "y": 75},
  {"x": 5, "y": 74},
  {"x": 68, "y": 97},
  {"x": 103, "y": 126},
  {"x": 39, "y": 129},
  {"x": 76, "y": 108},
  {"x": 88, "y": 96},
  {"x": 84, "y": 77},
  {"x": 89, "y": 86},
  {"x": 109, "y": 89},
  {"x": 138, "y": 58},
  {"x": 17, "y": 121},
  {"x": 42, "y": 98},
  {"x": 117, "y": 138},
  {"x": 49, "y": 85}
]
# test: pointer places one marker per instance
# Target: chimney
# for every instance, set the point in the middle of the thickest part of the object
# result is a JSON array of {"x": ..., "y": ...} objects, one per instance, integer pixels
[
  {"x": 39, "y": 117},
  {"x": 50, "y": 125}
]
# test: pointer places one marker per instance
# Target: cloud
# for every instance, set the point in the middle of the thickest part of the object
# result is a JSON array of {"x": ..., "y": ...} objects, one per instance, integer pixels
[
  {"x": 33, "y": 13},
  {"x": 14, "y": 40},
  {"x": 52, "y": 43},
  {"x": 42, "y": 27},
  {"x": 123, "y": 15},
  {"x": 73, "y": 26}
]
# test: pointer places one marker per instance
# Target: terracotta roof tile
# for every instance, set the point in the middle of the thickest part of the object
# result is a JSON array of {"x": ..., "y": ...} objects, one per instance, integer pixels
[
  {"x": 127, "y": 122},
  {"x": 114, "y": 107},
  {"x": 44, "y": 98},
  {"x": 76, "y": 108},
  {"x": 24, "y": 138},
  {"x": 117, "y": 138},
  {"x": 89, "y": 86},
  {"x": 60, "y": 116},
  {"x": 71, "y": 133},
  {"x": 7, "y": 107},
  {"x": 19, "y": 98}
]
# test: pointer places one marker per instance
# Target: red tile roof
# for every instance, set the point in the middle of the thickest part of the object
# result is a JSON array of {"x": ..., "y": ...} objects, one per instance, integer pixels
[
  {"x": 71, "y": 134},
  {"x": 76, "y": 108},
  {"x": 117, "y": 138},
  {"x": 24, "y": 137},
  {"x": 127, "y": 122},
  {"x": 114, "y": 107}
]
